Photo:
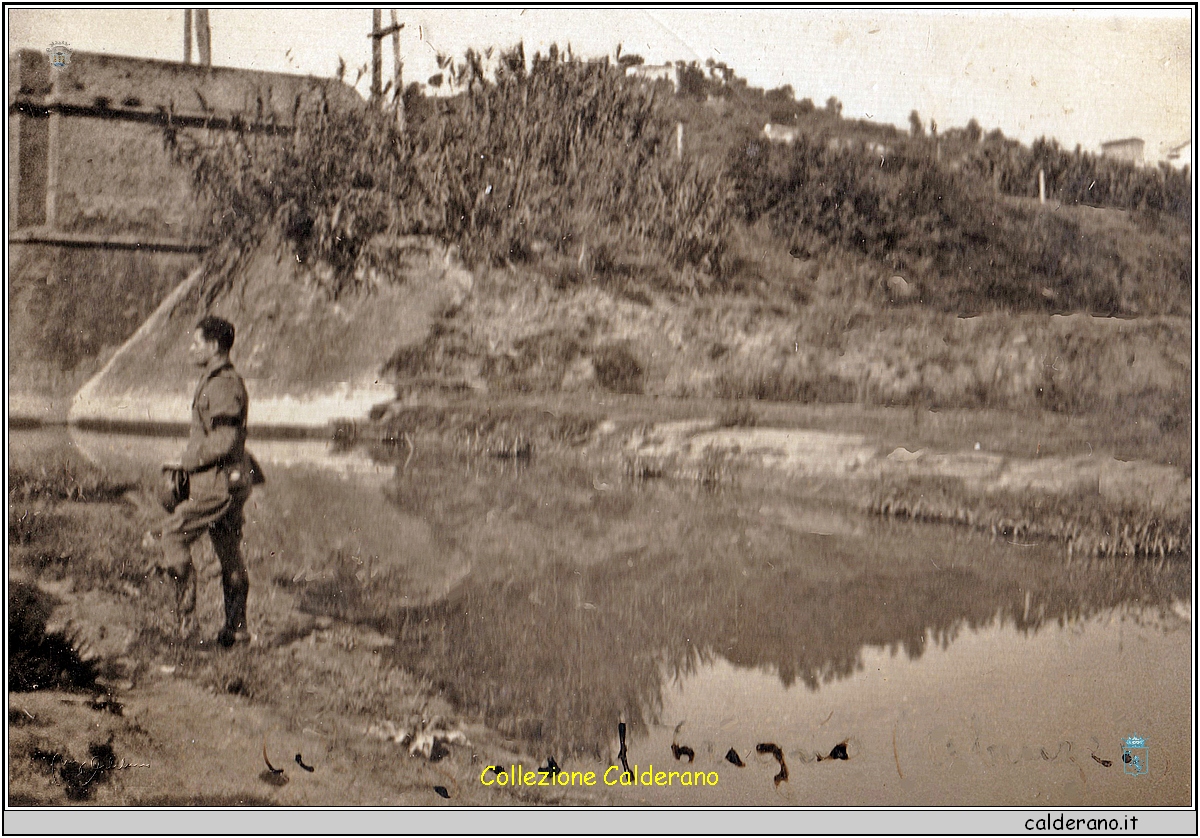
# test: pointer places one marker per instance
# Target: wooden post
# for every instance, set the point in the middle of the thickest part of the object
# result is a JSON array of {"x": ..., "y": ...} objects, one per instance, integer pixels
[
  {"x": 203, "y": 38},
  {"x": 377, "y": 34},
  {"x": 187, "y": 36},
  {"x": 1042, "y": 185},
  {"x": 376, "y": 55},
  {"x": 678, "y": 140},
  {"x": 398, "y": 75}
]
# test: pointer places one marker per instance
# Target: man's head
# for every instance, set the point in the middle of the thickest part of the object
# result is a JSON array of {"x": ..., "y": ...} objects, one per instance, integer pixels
[{"x": 212, "y": 337}]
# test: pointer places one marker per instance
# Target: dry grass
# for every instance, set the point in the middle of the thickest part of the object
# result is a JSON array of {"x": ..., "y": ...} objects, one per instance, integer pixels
[
  {"x": 63, "y": 478},
  {"x": 1084, "y": 524}
]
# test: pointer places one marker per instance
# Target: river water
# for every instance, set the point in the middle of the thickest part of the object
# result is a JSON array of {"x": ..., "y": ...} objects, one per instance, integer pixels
[{"x": 560, "y": 598}]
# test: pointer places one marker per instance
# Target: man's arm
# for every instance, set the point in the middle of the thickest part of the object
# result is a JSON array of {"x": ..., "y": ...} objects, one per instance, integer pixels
[{"x": 226, "y": 405}]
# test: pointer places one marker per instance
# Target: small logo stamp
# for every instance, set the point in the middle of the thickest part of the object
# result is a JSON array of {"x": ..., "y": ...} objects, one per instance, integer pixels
[
  {"x": 1135, "y": 756},
  {"x": 59, "y": 53}
]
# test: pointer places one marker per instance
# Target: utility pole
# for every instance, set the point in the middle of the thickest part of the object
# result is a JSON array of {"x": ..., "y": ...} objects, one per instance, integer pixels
[
  {"x": 203, "y": 36},
  {"x": 187, "y": 36},
  {"x": 376, "y": 54},
  {"x": 398, "y": 75},
  {"x": 378, "y": 33}
]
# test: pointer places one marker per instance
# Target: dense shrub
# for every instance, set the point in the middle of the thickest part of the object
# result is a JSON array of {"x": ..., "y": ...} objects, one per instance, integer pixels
[
  {"x": 967, "y": 247},
  {"x": 574, "y": 165},
  {"x": 1080, "y": 178},
  {"x": 617, "y": 369},
  {"x": 569, "y": 155}
]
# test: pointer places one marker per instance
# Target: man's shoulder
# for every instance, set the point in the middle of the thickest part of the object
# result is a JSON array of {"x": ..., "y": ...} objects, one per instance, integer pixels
[
  {"x": 225, "y": 383},
  {"x": 228, "y": 373}
]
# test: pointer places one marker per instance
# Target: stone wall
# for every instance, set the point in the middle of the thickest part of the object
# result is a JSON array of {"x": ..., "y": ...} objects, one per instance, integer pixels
[
  {"x": 102, "y": 222},
  {"x": 89, "y": 153}
]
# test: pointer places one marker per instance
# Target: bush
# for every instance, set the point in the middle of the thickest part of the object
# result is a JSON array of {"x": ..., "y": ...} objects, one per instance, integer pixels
[
  {"x": 1081, "y": 178},
  {"x": 617, "y": 369},
  {"x": 566, "y": 153},
  {"x": 573, "y": 163},
  {"x": 968, "y": 248}
]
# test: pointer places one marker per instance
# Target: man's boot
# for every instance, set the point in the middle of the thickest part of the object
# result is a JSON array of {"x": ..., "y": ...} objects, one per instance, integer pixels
[{"x": 234, "y": 630}]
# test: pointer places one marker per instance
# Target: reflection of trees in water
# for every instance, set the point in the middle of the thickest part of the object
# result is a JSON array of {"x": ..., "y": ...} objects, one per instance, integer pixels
[
  {"x": 821, "y": 640},
  {"x": 539, "y": 658},
  {"x": 582, "y": 602},
  {"x": 558, "y": 656}
]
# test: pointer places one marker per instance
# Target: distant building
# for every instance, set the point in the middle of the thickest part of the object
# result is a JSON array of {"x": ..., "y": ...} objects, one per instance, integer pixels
[
  {"x": 875, "y": 149},
  {"x": 1131, "y": 150},
  {"x": 781, "y": 133},
  {"x": 654, "y": 72},
  {"x": 1179, "y": 155}
]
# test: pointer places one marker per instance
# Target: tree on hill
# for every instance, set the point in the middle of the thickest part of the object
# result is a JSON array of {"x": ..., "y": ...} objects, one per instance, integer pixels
[
  {"x": 833, "y": 106},
  {"x": 691, "y": 79},
  {"x": 719, "y": 71},
  {"x": 915, "y": 128}
]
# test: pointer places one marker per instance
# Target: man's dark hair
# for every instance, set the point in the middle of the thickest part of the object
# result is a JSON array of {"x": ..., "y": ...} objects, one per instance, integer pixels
[{"x": 218, "y": 329}]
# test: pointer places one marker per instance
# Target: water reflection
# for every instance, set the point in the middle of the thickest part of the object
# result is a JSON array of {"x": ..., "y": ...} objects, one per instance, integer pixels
[
  {"x": 133, "y": 456},
  {"x": 583, "y": 603},
  {"x": 1001, "y": 716}
]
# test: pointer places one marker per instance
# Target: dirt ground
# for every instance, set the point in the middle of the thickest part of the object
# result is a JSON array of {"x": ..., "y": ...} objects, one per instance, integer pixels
[{"x": 172, "y": 724}]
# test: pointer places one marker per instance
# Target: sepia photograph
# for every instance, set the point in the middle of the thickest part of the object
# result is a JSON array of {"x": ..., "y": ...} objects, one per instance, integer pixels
[{"x": 692, "y": 411}]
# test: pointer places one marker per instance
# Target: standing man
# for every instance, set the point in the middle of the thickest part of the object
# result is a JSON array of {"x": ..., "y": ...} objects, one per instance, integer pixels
[{"x": 220, "y": 476}]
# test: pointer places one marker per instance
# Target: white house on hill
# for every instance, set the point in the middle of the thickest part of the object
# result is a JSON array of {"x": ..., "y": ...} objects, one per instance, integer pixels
[
  {"x": 1131, "y": 150},
  {"x": 781, "y": 133},
  {"x": 1179, "y": 155},
  {"x": 654, "y": 72}
]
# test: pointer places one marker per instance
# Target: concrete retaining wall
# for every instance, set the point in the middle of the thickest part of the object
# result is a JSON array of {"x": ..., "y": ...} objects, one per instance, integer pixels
[{"x": 307, "y": 360}]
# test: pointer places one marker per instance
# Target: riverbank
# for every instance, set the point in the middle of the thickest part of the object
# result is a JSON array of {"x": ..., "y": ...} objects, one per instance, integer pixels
[
  {"x": 996, "y": 470},
  {"x": 113, "y": 709}
]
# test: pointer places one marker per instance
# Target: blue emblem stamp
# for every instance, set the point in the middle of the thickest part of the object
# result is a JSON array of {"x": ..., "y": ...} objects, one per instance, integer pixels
[
  {"x": 1135, "y": 756},
  {"x": 59, "y": 54}
]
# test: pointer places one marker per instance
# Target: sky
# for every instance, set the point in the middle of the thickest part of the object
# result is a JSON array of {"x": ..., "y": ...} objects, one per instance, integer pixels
[{"x": 1080, "y": 76}]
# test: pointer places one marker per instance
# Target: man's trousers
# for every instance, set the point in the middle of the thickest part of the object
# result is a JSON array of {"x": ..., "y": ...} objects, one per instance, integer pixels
[{"x": 214, "y": 509}]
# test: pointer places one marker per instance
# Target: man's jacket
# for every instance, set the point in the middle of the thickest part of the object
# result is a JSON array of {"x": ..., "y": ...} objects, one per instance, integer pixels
[{"x": 216, "y": 450}]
